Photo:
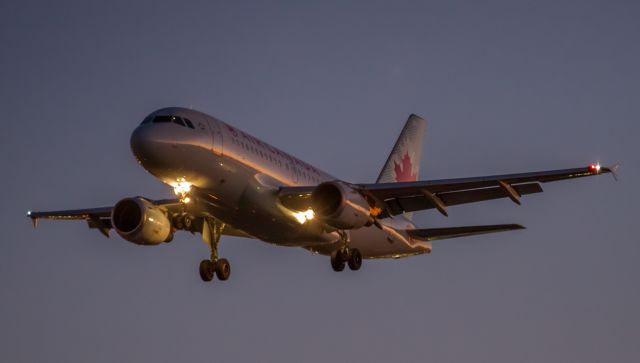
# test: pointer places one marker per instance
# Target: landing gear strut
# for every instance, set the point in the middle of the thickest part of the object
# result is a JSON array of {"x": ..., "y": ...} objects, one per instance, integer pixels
[
  {"x": 211, "y": 232},
  {"x": 351, "y": 256}
]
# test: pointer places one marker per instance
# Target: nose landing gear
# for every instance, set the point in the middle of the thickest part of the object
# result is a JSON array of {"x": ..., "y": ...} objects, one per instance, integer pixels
[{"x": 211, "y": 232}]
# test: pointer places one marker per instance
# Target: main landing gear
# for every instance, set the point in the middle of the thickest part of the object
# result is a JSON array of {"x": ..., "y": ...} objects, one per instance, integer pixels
[
  {"x": 211, "y": 232},
  {"x": 210, "y": 268},
  {"x": 351, "y": 256}
]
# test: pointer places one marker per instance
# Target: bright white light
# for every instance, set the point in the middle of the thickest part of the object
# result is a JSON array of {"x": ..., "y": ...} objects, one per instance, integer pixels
[
  {"x": 598, "y": 167},
  {"x": 304, "y": 216},
  {"x": 181, "y": 187}
]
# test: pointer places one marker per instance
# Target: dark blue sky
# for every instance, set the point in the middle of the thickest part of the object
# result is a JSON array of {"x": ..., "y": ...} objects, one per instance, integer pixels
[{"x": 507, "y": 86}]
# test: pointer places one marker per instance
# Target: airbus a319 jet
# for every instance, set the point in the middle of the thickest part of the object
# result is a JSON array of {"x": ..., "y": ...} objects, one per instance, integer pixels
[{"x": 228, "y": 182}]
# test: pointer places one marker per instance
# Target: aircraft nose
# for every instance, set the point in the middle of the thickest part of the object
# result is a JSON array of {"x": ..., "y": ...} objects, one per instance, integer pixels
[
  {"x": 149, "y": 145},
  {"x": 140, "y": 142}
]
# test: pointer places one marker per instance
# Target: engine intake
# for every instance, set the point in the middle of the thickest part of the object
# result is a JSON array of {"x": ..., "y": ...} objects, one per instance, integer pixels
[
  {"x": 341, "y": 206},
  {"x": 141, "y": 222}
]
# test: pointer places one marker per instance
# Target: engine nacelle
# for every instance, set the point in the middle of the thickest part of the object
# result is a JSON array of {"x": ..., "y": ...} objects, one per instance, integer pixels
[
  {"x": 340, "y": 206},
  {"x": 139, "y": 221}
]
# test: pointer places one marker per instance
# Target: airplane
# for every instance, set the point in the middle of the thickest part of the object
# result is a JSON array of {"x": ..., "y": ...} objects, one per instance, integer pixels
[{"x": 228, "y": 182}]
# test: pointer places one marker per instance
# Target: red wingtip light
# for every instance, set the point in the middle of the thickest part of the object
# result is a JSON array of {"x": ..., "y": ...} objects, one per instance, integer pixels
[{"x": 594, "y": 168}]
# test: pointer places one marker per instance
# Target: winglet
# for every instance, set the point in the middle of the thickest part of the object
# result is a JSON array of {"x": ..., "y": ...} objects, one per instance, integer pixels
[
  {"x": 34, "y": 219},
  {"x": 614, "y": 170}
]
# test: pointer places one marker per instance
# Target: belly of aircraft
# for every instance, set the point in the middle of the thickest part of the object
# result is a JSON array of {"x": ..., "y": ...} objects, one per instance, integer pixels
[{"x": 233, "y": 194}]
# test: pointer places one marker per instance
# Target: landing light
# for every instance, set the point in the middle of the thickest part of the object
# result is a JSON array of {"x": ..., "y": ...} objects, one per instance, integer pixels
[
  {"x": 304, "y": 216},
  {"x": 181, "y": 187}
]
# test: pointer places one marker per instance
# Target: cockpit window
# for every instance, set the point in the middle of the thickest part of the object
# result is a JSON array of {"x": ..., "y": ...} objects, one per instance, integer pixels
[
  {"x": 178, "y": 120},
  {"x": 188, "y": 122},
  {"x": 184, "y": 122},
  {"x": 162, "y": 119}
]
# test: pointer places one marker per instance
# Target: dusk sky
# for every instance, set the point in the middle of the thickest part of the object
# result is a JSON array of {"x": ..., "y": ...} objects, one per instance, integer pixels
[{"x": 506, "y": 87}]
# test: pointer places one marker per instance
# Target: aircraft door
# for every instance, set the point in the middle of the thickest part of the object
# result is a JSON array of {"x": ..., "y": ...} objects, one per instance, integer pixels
[
  {"x": 211, "y": 128},
  {"x": 201, "y": 125},
  {"x": 216, "y": 136}
]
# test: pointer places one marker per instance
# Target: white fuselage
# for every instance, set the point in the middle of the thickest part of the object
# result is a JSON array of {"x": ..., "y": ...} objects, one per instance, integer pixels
[{"x": 235, "y": 178}]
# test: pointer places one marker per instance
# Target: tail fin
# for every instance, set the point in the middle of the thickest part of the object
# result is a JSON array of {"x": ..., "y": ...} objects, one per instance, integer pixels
[{"x": 403, "y": 164}]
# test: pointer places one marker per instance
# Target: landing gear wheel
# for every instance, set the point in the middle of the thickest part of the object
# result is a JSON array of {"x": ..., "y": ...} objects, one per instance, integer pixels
[
  {"x": 207, "y": 270},
  {"x": 223, "y": 269},
  {"x": 337, "y": 261},
  {"x": 355, "y": 259},
  {"x": 188, "y": 223}
]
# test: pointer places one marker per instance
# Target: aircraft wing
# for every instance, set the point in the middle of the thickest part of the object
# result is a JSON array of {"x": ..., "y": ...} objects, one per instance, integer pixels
[
  {"x": 434, "y": 234},
  {"x": 397, "y": 198},
  {"x": 100, "y": 218}
]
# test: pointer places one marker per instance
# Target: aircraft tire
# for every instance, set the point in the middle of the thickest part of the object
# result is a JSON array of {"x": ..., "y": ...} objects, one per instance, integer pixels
[
  {"x": 207, "y": 270},
  {"x": 188, "y": 223},
  {"x": 355, "y": 260},
  {"x": 223, "y": 269},
  {"x": 337, "y": 261}
]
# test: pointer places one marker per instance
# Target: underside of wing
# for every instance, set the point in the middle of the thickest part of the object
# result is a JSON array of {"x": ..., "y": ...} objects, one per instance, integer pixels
[
  {"x": 403, "y": 197},
  {"x": 434, "y": 234},
  {"x": 418, "y": 202},
  {"x": 96, "y": 217},
  {"x": 100, "y": 218},
  {"x": 397, "y": 198}
]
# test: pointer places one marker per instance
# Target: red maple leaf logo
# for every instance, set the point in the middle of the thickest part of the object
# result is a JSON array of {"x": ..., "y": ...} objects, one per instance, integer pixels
[{"x": 403, "y": 170}]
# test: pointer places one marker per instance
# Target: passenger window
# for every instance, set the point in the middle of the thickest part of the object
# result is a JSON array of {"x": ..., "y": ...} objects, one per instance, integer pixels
[{"x": 188, "y": 122}]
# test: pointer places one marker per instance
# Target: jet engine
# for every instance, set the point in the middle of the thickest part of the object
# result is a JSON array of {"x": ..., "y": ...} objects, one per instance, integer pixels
[
  {"x": 340, "y": 206},
  {"x": 141, "y": 222}
]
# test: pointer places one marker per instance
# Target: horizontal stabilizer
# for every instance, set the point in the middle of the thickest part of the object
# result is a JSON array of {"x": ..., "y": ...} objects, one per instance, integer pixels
[{"x": 433, "y": 234}]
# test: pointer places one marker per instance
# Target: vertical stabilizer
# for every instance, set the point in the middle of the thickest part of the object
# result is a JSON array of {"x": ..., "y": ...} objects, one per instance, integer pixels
[{"x": 403, "y": 164}]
